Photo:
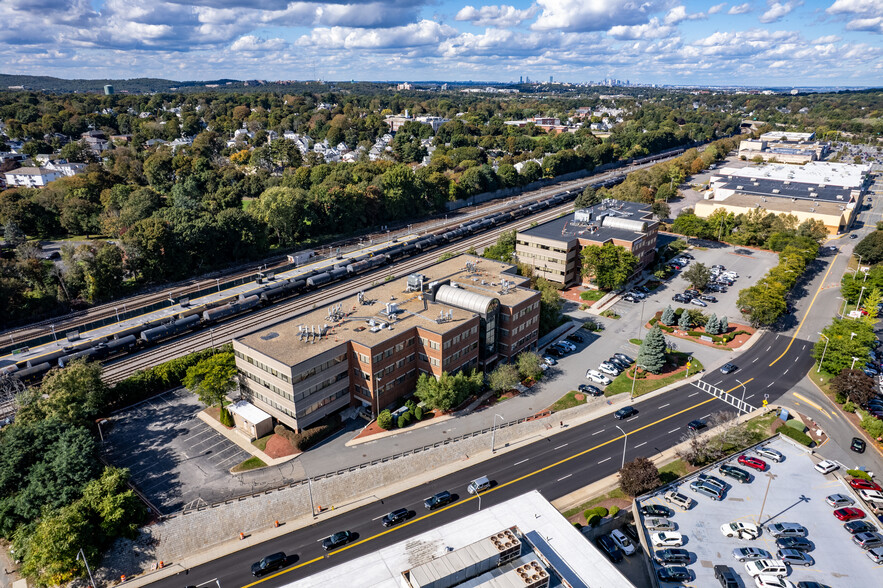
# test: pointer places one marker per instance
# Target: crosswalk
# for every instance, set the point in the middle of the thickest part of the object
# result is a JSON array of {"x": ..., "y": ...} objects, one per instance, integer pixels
[{"x": 723, "y": 395}]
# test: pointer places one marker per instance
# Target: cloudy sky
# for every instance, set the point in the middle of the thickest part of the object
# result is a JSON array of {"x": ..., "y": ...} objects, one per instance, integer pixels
[{"x": 790, "y": 42}]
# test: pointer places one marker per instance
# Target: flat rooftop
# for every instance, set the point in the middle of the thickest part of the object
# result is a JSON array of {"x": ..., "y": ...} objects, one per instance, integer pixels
[
  {"x": 780, "y": 189},
  {"x": 362, "y": 319},
  {"x": 570, "y": 227},
  {"x": 787, "y": 136},
  {"x": 572, "y": 556},
  {"x": 846, "y": 175},
  {"x": 781, "y": 205}
]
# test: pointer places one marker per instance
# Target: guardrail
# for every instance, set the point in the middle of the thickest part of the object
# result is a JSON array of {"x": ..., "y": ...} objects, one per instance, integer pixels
[{"x": 353, "y": 468}]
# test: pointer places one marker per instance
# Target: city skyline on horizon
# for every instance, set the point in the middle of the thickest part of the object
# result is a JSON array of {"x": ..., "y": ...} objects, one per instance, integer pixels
[{"x": 793, "y": 43}]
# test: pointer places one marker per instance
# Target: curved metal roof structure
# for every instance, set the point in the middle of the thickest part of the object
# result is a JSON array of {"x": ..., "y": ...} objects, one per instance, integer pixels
[{"x": 466, "y": 300}]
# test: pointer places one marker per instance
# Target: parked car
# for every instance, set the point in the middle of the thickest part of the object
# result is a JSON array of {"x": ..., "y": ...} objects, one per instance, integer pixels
[
  {"x": 609, "y": 548},
  {"x": 673, "y": 574},
  {"x": 575, "y": 338},
  {"x": 857, "y": 445},
  {"x": 609, "y": 368},
  {"x": 786, "y": 530},
  {"x": 849, "y": 514},
  {"x": 712, "y": 481},
  {"x": 766, "y": 566},
  {"x": 549, "y": 361},
  {"x": 620, "y": 364},
  {"x": 598, "y": 377},
  {"x": 752, "y": 462},
  {"x": 707, "y": 298},
  {"x": 656, "y": 510},
  {"x": 876, "y": 555},
  {"x": 395, "y": 517},
  {"x": 625, "y": 412},
  {"x": 826, "y": 467},
  {"x": 673, "y": 555},
  {"x": 839, "y": 500},
  {"x": 590, "y": 390},
  {"x": 770, "y": 454},
  {"x": 862, "y": 484},
  {"x": 856, "y": 527},
  {"x": 667, "y": 539},
  {"x": 868, "y": 540},
  {"x": 771, "y": 581},
  {"x": 624, "y": 357},
  {"x": 799, "y": 543},
  {"x": 744, "y": 554},
  {"x": 741, "y": 530},
  {"x": 696, "y": 424},
  {"x": 336, "y": 540},
  {"x": 269, "y": 564},
  {"x": 680, "y": 298},
  {"x": 726, "y": 576},
  {"x": 678, "y": 499},
  {"x": 566, "y": 345},
  {"x": 659, "y": 525},
  {"x": 697, "y": 302},
  {"x": 793, "y": 557},
  {"x": 736, "y": 473},
  {"x": 623, "y": 542},
  {"x": 874, "y": 496},
  {"x": 632, "y": 532},
  {"x": 728, "y": 368},
  {"x": 438, "y": 500}
]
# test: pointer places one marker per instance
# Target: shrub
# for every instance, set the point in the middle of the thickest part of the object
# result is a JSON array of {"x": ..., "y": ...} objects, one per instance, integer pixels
[
  {"x": 226, "y": 418},
  {"x": 798, "y": 436},
  {"x": 384, "y": 420},
  {"x": 839, "y": 398},
  {"x": 319, "y": 432},
  {"x": 593, "y": 520},
  {"x": 411, "y": 405},
  {"x": 849, "y": 407},
  {"x": 796, "y": 424},
  {"x": 859, "y": 474},
  {"x": 418, "y": 413},
  {"x": 614, "y": 510},
  {"x": 404, "y": 419},
  {"x": 602, "y": 511},
  {"x": 638, "y": 476}
]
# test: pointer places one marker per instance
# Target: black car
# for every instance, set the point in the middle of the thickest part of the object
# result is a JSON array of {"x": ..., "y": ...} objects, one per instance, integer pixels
[
  {"x": 695, "y": 425},
  {"x": 680, "y": 298},
  {"x": 395, "y": 517},
  {"x": 606, "y": 544},
  {"x": 624, "y": 357},
  {"x": 687, "y": 256},
  {"x": 575, "y": 338},
  {"x": 554, "y": 351},
  {"x": 632, "y": 532},
  {"x": 734, "y": 472},
  {"x": 673, "y": 574},
  {"x": 708, "y": 298},
  {"x": 336, "y": 540},
  {"x": 726, "y": 576},
  {"x": 590, "y": 390},
  {"x": 269, "y": 564},
  {"x": 437, "y": 500},
  {"x": 728, "y": 368},
  {"x": 811, "y": 585},
  {"x": 618, "y": 362},
  {"x": 656, "y": 510},
  {"x": 858, "y": 445},
  {"x": 625, "y": 412},
  {"x": 692, "y": 292},
  {"x": 854, "y": 236},
  {"x": 673, "y": 555},
  {"x": 798, "y": 543},
  {"x": 859, "y": 527}
]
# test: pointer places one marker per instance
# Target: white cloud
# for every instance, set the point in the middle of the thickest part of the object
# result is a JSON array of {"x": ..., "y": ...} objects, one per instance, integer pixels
[
  {"x": 874, "y": 25},
  {"x": 856, "y": 7},
  {"x": 740, "y": 9},
  {"x": 419, "y": 34},
  {"x": 826, "y": 39},
  {"x": 717, "y": 8},
  {"x": 679, "y": 13},
  {"x": 252, "y": 43},
  {"x": 495, "y": 16},
  {"x": 650, "y": 30},
  {"x": 778, "y": 10},
  {"x": 593, "y": 15}
]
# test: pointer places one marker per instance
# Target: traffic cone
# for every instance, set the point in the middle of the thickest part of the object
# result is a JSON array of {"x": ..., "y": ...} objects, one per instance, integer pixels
[
  {"x": 276, "y": 524},
  {"x": 241, "y": 536},
  {"x": 123, "y": 578},
  {"x": 160, "y": 564}
]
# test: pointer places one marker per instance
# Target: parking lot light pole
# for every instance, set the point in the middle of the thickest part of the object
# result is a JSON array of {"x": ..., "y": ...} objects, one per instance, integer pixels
[
  {"x": 854, "y": 359},
  {"x": 821, "y": 361},
  {"x": 859, "y": 303},
  {"x": 82, "y": 556},
  {"x": 770, "y": 477},
  {"x": 625, "y": 437},
  {"x": 494, "y": 435},
  {"x": 634, "y": 378}
]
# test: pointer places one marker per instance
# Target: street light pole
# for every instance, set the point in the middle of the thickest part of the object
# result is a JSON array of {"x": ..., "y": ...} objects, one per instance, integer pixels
[
  {"x": 854, "y": 359},
  {"x": 494, "y": 434},
  {"x": 859, "y": 303},
  {"x": 821, "y": 361},
  {"x": 744, "y": 389},
  {"x": 625, "y": 437},
  {"x": 82, "y": 556}
]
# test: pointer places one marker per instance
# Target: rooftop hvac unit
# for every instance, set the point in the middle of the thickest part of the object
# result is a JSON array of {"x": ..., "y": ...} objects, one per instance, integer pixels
[
  {"x": 739, "y": 187},
  {"x": 813, "y": 194},
  {"x": 775, "y": 190}
]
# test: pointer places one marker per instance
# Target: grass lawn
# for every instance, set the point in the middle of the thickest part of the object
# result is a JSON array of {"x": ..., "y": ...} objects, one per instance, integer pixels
[
  {"x": 610, "y": 314},
  {"x": 262, "y": 442},
  {"x": 636, "y": 341},
  {"x": 760, "y": 426},
  {"x": 598, "y": 499},
  {"x": 672, "y": 471},
  {"x": 593, "y": 295},
  {"x": 568, "y": 401},
  {"x": 822, "y": 380},
  {"x": 622, "y": 383},
  {"x": 252, "y": 463}
]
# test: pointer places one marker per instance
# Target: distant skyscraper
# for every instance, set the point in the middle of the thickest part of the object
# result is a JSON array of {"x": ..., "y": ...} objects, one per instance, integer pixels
[
  {"x": 108, "y": 90},
  {"x": 520, "y": 79},
  {"x": 551, "y": 79}
]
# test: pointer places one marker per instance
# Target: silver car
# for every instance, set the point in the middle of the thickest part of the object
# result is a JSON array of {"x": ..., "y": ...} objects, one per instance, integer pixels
[
  {"x": 660, "y": 525},
  {"x": 750, "y": 553}
]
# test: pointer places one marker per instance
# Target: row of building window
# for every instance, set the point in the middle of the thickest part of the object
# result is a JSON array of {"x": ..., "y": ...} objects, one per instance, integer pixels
[
  {"x": 325, "y": 401},
  {"x": 388, "y": 352},
  {"x": 318, "y": 368},
  {"x": 272, "y": 403},
  {"x": 301, "y": 394},
  {"x": 268, "y": 385},
  {"x": 538, "y": 246},
  {"x": 259, "y": 365}
]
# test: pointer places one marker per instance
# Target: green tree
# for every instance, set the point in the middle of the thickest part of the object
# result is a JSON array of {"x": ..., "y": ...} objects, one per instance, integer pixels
[
  {"x": 212, "y": 378},
  {"x": 284, "y": 211},
  {"x": 712, "y": 326},
  {"x": 638, "y": 477},
  {"x": 684, "y": 322},
  {"x": 118, "y": 510},
  {"x": 587, "y": 198},
  {"x": 550, "y": 306},
  {"x": 384, "y": 420},
  {"x": 846, "y": 339},
  {"x": 74, "y": 394},
  {"x": 529, "y": 365},
  {"x": 652, "y": 353},
  {"x": 724, "y": 325},
  {"x": 159, "y": 171},
  {"x": 668, "y": 316},
  {"x": 49, "y": 550},
  {"x": 448, "y": 391},
  {"x": 871, "y": 248},
  {"x": 764, "y": 303},
  {"x": 698, "y": 274},
  {"x": 855, "y": 385},
  {"x": 609, "y": 265},
  {"x": 691, "y": 225},
  {"x": 504, "y": 248},
  {"x": 504, "y": 377}
]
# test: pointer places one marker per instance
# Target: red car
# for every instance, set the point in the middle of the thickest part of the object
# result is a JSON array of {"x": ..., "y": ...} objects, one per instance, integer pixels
[
  {"x": 753, "y": 462},
  {"x": 862, "y": 484},
  {"x": 849, "y": 514}
]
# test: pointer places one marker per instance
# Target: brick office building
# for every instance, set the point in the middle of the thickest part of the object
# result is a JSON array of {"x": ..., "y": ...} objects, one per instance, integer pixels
[
  {"x": 370, "y": 348},
  {"x": 553, "y": 248}
]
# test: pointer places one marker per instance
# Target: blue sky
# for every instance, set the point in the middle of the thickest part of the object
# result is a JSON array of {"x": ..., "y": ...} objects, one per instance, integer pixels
[{"x": 758, "y": 42}]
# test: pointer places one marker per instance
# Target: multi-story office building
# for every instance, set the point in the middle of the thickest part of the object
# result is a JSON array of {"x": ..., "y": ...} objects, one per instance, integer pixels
[
  {"x": 369, "y": 349},
  {"x": 553, "y": 248}
]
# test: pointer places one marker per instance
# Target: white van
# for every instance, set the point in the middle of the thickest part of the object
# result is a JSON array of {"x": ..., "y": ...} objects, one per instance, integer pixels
[{"x": 478, "y": 485}]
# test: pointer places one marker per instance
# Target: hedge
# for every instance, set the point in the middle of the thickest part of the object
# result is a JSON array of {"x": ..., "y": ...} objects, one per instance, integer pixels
[
  {"x": 798, "y": 436},
  {"x": 859, "y": 474},
  {"x": 614, "y": 510},
  {"x": 595, "y": 513},
  {"x": 310, "y": 437},
  {"x": 593, "y": 520}
]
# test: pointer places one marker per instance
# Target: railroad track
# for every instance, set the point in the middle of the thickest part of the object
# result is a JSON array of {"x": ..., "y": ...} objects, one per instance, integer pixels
[{"x": 119, "y": 369}]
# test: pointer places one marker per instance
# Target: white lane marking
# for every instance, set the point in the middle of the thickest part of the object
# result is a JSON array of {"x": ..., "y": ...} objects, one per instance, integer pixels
[
  {"x": 599, "y": 432},
  {"x": 564, "y": 478},
  {"x": 768, "y": 348},
  {"x": 796, "y": 358},
  {"x": 631, "y": 419},
  {"x": 380, "y": 517},
  {"x": 718, "y": 382},
  {"x": 603, "y": 460},
  {"x": 692, "y": 395},
  {"x": 664, "y": 405},
  {"x": 706, "y": 416},
  {"x": 640, "y": 444},
  {"x": 560, "y": 446},
  {"x": 520, "y": 462},
  {"x": 785, "y": 372},
  {"x": 770, "y": 384},
  {"x": 755, "y": 359},
  {"x": 749, "y": 397},
  {"x": 674, "y": 430}
]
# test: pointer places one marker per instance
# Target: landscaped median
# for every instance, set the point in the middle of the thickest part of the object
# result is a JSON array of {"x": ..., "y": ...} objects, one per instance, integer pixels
[{"x": 673, "y": 372}]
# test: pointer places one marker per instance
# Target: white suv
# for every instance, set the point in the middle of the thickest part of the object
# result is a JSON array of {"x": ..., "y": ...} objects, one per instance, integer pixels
[{"x": 597, "y": 377}]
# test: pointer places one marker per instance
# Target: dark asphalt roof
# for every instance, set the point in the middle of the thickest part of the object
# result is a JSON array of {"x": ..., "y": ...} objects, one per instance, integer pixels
[{"x": 800, "y": 190}]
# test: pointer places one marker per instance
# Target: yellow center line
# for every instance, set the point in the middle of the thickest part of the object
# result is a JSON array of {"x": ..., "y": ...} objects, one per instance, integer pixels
[
  {"x": 806, "y": 314},
  {"x": 494, "y": 489}
]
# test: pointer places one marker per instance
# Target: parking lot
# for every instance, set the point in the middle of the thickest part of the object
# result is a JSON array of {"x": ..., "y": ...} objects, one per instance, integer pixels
[
  {"x": 791, "y": 491},
  {"x": 173, "y": 457}
]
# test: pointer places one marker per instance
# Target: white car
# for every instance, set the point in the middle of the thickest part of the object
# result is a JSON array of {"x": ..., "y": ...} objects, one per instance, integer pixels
[
  {"x": 609, "y": 368},
  {"x": 770, "y": 454},
  {"x": 874, "y": 496},
  {"x": 549, "y": 360},
  {"x": 597, "y": 377},
  {"x": 697, "y": 302},
  {"x": 667, "y": 539},
  {"x": 623, "y": 542},
  {"x": 826, "y": 467},
  {"x": 771, "y": 581},
  {"x": 741, "y": 530},
  {"x": 566, "y": 344}
]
